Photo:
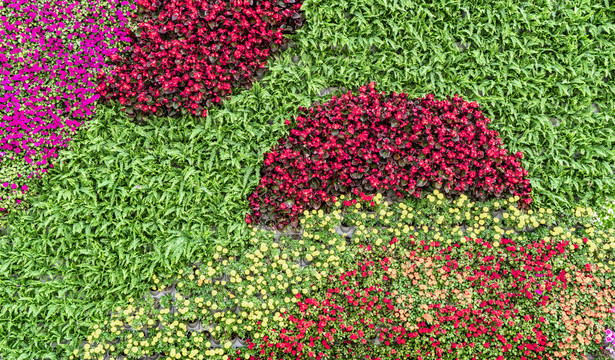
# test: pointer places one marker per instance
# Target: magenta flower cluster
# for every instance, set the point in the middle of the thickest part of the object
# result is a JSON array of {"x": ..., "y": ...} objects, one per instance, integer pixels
[{"x": 50, "y": 55}]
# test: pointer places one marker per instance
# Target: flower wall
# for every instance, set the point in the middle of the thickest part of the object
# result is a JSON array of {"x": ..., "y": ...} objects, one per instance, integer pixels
[{"x": 360, "y": 278}]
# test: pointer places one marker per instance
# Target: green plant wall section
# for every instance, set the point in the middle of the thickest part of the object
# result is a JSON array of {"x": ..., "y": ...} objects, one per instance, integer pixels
[{"x": 542, "y": 71}]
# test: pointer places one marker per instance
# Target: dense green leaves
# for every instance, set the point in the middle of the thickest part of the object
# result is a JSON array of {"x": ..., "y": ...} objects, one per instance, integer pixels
[{"x": 126, "y": 201}]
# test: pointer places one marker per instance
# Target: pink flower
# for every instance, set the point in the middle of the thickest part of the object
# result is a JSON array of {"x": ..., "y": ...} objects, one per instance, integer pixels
[{"x": 30, "y": 118}]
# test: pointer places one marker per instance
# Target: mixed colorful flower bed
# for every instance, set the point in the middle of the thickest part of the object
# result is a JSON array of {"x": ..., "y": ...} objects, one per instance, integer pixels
[{"x": 422, "y": 279}]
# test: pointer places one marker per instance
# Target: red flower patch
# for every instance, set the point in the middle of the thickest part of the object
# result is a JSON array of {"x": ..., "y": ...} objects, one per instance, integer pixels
[
  {"x": 373, "y": 143},
  {"x": 188, "y": 54},
  {"x": 351, "y": 318}
]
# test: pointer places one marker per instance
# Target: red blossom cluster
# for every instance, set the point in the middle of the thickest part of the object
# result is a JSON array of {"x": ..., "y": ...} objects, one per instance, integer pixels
[
  {"x": 377, "y": 143},
  {"x": 495, "y": 288},
  {"x": 188, "y": 54}
]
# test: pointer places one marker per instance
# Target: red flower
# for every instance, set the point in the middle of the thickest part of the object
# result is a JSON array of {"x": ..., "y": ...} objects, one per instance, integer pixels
[
  {"x": 187, "y": 55},
  {"x": 372, "y": 143}
]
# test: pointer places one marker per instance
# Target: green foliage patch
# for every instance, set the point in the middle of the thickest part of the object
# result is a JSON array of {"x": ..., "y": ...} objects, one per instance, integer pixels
[{"x": 126, "y": 201}]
